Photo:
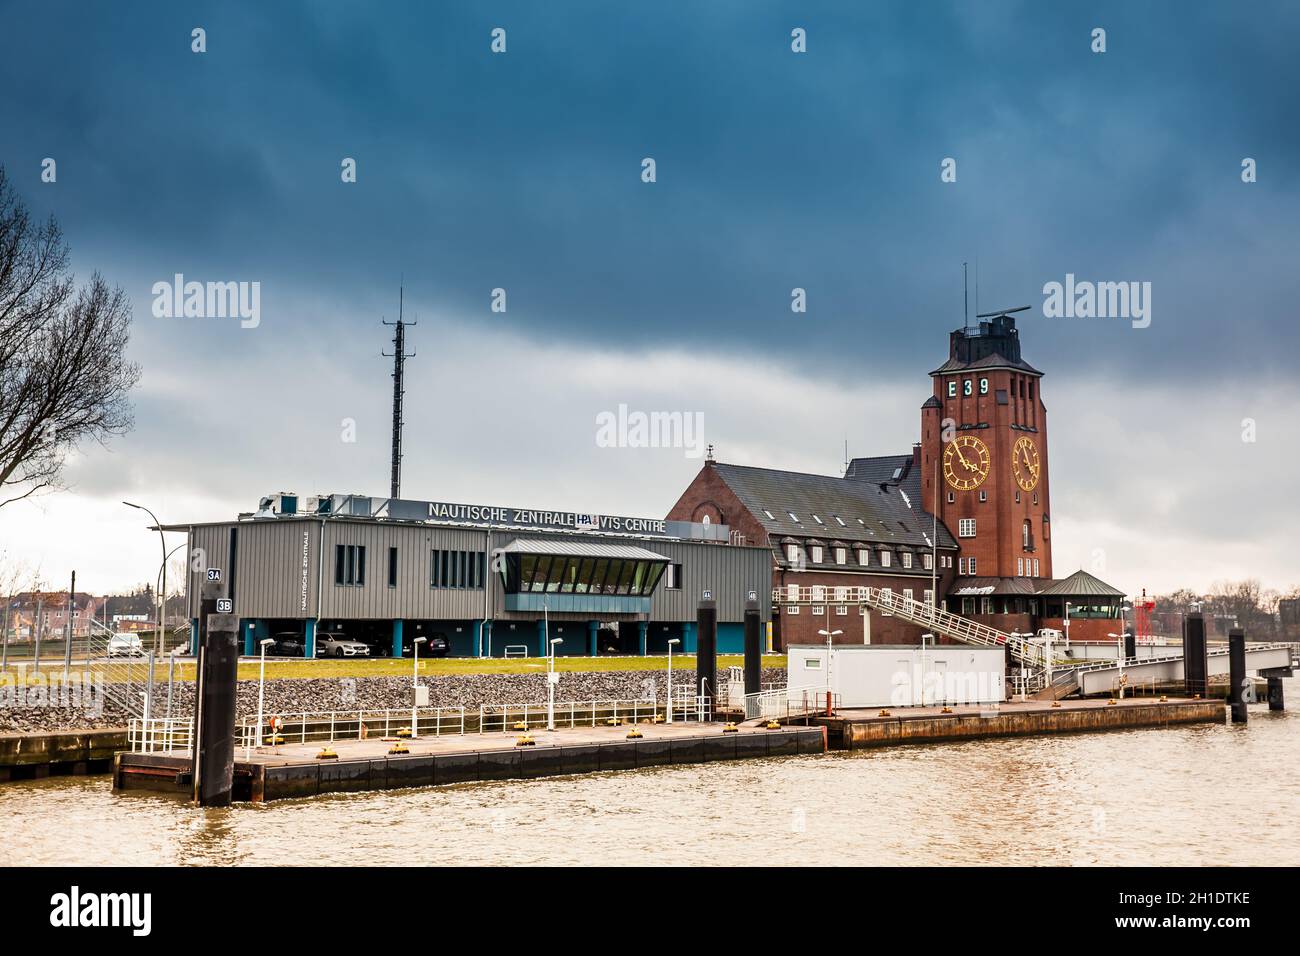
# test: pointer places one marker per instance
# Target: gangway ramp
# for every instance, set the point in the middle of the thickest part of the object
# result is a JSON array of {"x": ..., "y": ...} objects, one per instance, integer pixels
[{"x": 1102, "y": 678}]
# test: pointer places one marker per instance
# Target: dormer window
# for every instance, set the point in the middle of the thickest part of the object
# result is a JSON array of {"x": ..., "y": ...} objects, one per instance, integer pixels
[
  {"x": 841, "y": 555},
  {"x": 816, "y": 554},
  {"x": 884, "y": 559},
  {"x": 792, "y": 553},
  {"x": 864, "y": 557}
]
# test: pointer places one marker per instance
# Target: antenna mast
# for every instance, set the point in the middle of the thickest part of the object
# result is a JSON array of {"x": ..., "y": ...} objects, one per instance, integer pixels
[
  {"x": 965, "y": 299},
  {"x": 399, "y": 357}
]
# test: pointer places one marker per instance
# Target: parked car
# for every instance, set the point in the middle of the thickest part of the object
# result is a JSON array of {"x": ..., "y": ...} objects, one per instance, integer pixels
[
  {"x": 125, "y": 644},
  {"x": 436, "y": 646},
  {"x": 287, "y": 644},
  {"x": 333, "y": 644}
]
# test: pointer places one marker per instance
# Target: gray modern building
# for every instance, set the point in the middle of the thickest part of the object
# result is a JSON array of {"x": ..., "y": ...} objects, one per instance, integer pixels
[{"x": 488, "y": 580}]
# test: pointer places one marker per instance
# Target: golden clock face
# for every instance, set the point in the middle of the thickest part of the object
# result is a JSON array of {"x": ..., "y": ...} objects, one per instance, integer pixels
[
  {"x": 965, "y": 462},
  {"x": 1024, "y": 463}
]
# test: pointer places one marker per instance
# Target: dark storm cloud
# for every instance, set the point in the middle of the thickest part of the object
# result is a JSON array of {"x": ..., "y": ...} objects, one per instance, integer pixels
[{"x": 775, "y": 170}]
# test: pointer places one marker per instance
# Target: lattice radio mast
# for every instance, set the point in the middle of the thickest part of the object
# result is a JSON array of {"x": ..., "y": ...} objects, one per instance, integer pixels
[{"x": 399, "y": 357}]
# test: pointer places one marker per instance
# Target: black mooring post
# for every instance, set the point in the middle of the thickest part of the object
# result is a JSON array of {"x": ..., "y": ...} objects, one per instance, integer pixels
[
  {"x": 1237, "y": 674},
  {"x": 1130, "y": 646},
  {"x": 753, "y": 646},
  {"x": 1275, "y": 701},
  {"x": 706, "y": 652},
  {"x": 209, "y": 592},
  {"x": 214, "y": 770},
  {"x": 1195, "y": 664}
]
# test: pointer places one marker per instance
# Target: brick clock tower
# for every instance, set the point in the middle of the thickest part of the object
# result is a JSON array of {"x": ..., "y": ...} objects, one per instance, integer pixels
[{"x": 984, "y": 453}]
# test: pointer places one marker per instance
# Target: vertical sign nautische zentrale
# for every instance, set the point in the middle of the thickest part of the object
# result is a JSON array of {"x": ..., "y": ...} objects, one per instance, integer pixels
[{"x": 306, "y": 542}]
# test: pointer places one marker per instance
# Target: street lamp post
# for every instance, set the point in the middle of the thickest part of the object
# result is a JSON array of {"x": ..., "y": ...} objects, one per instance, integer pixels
[
  {"x": 924, "y": 638},
  {"x": 415, "y": 685},
  {"x": 551, "y": 678},
  {"x": 1067, "y": 625},
  {"x": 668, "y": 717},
  {"x": 261, "y": 688},
  {"x": 828, "y": 634},
  {"x": 161, "y": 607}
]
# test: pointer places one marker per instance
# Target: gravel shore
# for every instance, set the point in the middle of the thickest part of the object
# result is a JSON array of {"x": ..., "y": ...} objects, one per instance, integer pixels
[{"x": 288, "y": 696}]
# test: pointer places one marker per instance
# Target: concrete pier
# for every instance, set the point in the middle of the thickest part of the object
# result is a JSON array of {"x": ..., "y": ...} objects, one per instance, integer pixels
[
  {"x": 58, "y": 752},
  {"x": 854, "y": 729},
  {"x": 292, "y": 770}
]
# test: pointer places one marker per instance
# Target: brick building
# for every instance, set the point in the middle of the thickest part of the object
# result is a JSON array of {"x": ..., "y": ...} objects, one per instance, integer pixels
[{"x": 964, "y": 520}]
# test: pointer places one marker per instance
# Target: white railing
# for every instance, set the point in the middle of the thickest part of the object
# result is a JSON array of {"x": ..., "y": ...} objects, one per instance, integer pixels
[
  {"x": 164, "y": 735},
  {"x": 505, "y": 718},
  {"x": 328, "y": 726}
]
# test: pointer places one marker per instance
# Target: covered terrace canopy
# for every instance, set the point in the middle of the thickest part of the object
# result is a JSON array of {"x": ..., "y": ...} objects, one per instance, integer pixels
[{"x": 548, "y": 566}]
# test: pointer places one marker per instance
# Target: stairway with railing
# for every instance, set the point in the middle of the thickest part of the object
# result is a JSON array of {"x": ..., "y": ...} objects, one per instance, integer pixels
[{"x": 1029, "y": 655}]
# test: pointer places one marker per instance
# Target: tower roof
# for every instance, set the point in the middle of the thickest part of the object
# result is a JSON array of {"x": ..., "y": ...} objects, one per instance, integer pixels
[{"x": 994, "y": 343}]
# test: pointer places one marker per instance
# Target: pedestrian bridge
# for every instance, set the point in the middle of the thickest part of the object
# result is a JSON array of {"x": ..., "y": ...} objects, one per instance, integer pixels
[{"x": 1104, "y": 678}]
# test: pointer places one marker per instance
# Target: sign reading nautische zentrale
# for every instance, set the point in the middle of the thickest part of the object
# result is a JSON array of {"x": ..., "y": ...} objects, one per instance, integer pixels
[{"x": 532, "y": 518}]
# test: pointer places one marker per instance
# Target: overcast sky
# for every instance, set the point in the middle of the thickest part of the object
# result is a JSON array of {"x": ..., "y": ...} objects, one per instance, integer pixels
[{"x": 775, "y": 170}]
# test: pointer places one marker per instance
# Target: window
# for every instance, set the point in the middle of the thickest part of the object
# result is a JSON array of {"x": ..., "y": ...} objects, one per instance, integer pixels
[
  {"x": 887, "y": 594},
  {"x": 792, "y": 609},
  {"x": 1047, "y": 528},
  {"x": 673, "y": 577},
  {"x": 817, "y": 609},
  {"x": 1035, "y": 567},
  {"x": 986, "y": 605},
  {"x": 1017, "y": 496},
  {"x": 792, "y": 592},
  {"x": 1035, "y": 498},
  {"x": 842, "y": 610},
  {"x": 792, "y": 553},
  {"x": 951, "y": 497},
  {"x": 350, "y": 565},
  {"x": 841, "y": 594},
  {"x": 968, "y": 606},
  {"x": 927, "y": 561},
  {"x": 818, "y": 593},
  {"x": 818, "y": 519},
  {"x": 907, "y": 594},
  {"x": 929, "y": 596},
  {"x": 465, "y": 569},
  {"x": 816, "y": 554},
  {"x": 841, "y": 555},
  {"x": 794, "y": 517},
  {"x": 812, "y": 663},
  {"x": 770, "y": 516},
  {"x": 862, "y": 593},
  {"x": 971, "y": 566},
  {"x": 884, "y": 559},
  {"x": 1027, "y": 535},
  {"x": 1020, "y": 567},
  {"x": 907, "y": 559},
  {"x": 392, "y": 567},
  {"x": 841, "y": 521},
  {"x": 966, "y": 528},
  {"x": 864, "y": 557},
  {"x": 961, "y": 565},
  {"x": 984, "y": 495}
]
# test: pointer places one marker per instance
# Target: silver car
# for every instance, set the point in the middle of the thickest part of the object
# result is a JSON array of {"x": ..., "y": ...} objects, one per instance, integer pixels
[{"x": 331, "y": 644}]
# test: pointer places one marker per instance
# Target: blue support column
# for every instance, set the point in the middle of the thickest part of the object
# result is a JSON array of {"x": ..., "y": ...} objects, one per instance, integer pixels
[
  {"x": 541, "y": 637},
  {"x": 480, "y": 645},
  {"x": 194, "y": 637},
  {"x": 688, "y": 637},
  {"x": 642, "y": 627},
  {"x": 250, "y": 632},
  {"x": 309, "y": 638},
  {"x": 397, "y": 637},
  {"x": 593, "y": 634}
]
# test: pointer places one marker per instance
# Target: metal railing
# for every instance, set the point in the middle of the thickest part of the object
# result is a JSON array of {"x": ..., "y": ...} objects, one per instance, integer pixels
[
  {"x": 504, "y": 718},
  {"x": 163, "y": 735},
  {"x": 329, "y": 726},
  {"x": 779, "y": 702}
]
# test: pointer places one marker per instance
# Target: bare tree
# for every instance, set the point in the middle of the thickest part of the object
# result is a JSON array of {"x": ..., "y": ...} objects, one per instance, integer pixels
[{"x": 64, "y": 376}]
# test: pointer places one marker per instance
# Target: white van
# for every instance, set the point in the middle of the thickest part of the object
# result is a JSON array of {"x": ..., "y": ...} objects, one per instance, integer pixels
[{"x": 125, "y": 644}]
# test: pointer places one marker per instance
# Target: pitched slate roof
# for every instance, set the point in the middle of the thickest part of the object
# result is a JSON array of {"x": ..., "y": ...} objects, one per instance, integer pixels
[
  {"x": 1080, "y": 584},
  {"x": 581, "y": 549},
  {"x": 868, "y": 512},
  {"x": 882, "y": 469},
  {"x": 988, "y": 361}
]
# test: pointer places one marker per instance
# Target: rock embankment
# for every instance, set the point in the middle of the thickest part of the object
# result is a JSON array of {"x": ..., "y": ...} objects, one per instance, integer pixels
[{"x": 290, "y": 696}]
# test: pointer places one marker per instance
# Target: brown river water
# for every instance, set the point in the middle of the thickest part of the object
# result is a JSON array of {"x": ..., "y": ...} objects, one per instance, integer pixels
[{"x": 1197, "y": 795}]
